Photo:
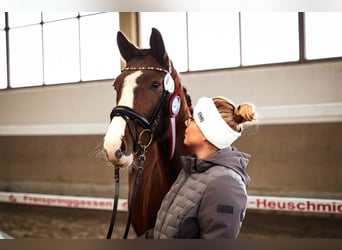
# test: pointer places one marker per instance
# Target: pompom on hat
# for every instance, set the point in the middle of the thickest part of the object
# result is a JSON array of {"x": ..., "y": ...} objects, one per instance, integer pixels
[{"x": 212, "y": 125}]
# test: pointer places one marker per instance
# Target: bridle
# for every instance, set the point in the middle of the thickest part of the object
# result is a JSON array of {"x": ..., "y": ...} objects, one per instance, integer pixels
[
  {"x": 128, "y": 113},
  {"x": 149, "y": 126}
]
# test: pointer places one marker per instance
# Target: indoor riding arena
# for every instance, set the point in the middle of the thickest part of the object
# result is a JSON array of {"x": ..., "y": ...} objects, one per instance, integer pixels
[{"x": 56, "y": 97}]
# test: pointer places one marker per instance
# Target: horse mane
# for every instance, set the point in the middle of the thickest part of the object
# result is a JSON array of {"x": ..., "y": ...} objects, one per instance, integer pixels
[{"x": 188, "y": 98}]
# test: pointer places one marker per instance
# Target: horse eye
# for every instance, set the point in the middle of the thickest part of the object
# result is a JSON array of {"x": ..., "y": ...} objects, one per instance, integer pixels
[{"x": 155, "y": 85}]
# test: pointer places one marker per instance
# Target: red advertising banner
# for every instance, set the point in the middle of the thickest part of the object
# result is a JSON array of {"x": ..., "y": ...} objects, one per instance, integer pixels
[{"x": 254, "y": 202}]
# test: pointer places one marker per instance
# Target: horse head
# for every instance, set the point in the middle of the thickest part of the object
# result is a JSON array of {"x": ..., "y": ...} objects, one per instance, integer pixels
[{"x": 150, "y": 101}]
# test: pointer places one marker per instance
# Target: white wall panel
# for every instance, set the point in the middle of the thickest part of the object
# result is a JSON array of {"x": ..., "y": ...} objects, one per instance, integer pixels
[{"x": 290, "y": 86}]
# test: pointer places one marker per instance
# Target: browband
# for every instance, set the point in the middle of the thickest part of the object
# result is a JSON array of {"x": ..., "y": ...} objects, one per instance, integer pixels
[{"x": 145, "y": 68}]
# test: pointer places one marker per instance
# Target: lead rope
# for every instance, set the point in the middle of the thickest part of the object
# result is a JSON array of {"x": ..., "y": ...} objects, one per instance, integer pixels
[
  {"x": 116, "y": 200},
  {"x": 142, "y": 159}
]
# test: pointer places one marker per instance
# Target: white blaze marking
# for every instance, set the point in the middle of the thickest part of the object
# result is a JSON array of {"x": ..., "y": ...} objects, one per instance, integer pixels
[{"x": 116, "y": 130}]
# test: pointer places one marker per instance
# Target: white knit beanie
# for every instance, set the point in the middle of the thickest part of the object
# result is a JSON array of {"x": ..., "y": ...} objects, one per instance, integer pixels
[{"x": 212, "y": 125}]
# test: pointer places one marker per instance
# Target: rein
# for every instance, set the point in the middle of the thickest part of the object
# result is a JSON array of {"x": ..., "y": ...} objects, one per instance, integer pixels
[
  {"x": 142, "y": 159},
  {"x": 127, "y": 114}
]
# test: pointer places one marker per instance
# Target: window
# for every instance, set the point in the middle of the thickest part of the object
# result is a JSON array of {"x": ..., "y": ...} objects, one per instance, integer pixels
[
  {"x": 205, "y": 50},
  {"x": 61, "y": 51},
  {"x": 26, "y": 58},
  {"x": 100, "y": 57},
  {"x": 61, "y": 47},
  {"x": 58, "y": 47},
  {"x": 58, "y": 16},
  {"x": 172, "y": 25},
  {"x": 2, "y": 20},
  {"x": 269, "y": 37},
  {"x": 225, "y": 39},
  {"x": 18, "y": 19},
  {"x": 323, "y": 35}
]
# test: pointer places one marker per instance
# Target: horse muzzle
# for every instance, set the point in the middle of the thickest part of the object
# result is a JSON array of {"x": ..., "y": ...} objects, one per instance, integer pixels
[
  {"x": 114, "y": 146},
  {"x": 117, "y": 155}
]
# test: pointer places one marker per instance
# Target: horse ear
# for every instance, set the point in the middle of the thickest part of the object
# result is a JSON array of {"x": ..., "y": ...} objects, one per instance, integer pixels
[
  {"x": 158, "y": 48},
  {"x": 127, "y": 49}
]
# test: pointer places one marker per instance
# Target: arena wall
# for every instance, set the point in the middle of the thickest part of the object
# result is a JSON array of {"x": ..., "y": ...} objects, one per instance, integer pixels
[{"x": 50, "y": 136}]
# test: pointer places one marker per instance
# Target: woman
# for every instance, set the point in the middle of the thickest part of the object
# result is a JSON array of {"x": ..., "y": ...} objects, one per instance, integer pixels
[{"x": 209, "y": 199}]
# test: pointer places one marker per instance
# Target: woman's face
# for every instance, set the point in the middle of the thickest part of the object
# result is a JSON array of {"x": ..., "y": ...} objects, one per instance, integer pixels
[{"x": 193, "y": 135}]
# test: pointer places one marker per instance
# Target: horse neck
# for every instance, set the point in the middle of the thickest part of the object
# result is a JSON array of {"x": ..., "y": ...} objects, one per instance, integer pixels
[
  {"x": 159, "y": 174},
  {"x": 180, "y": 121}
]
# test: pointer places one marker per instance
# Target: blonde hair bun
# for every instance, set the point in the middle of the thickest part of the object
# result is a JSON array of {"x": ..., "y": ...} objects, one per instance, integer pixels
[{"x": 244, "y": 112}]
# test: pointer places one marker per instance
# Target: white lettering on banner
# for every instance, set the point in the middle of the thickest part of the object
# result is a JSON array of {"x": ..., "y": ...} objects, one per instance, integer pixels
[{"x": 254, "y": 202}]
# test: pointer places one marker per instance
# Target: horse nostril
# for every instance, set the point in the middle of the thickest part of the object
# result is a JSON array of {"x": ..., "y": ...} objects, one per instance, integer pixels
[
  {"x": 118, "y": 154},
  {"x": 121, "y": 151}
]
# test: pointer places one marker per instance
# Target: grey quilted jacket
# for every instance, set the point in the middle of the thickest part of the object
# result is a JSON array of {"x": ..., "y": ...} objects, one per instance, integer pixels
[{"x": 208, "y": 200}]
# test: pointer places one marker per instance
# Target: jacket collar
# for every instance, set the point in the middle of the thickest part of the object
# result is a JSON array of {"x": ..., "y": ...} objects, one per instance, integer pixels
[{"x": 228, "y": 157}]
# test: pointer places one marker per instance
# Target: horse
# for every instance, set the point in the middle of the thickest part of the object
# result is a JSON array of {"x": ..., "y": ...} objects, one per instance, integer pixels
[{"x": 148, "y": 119}]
